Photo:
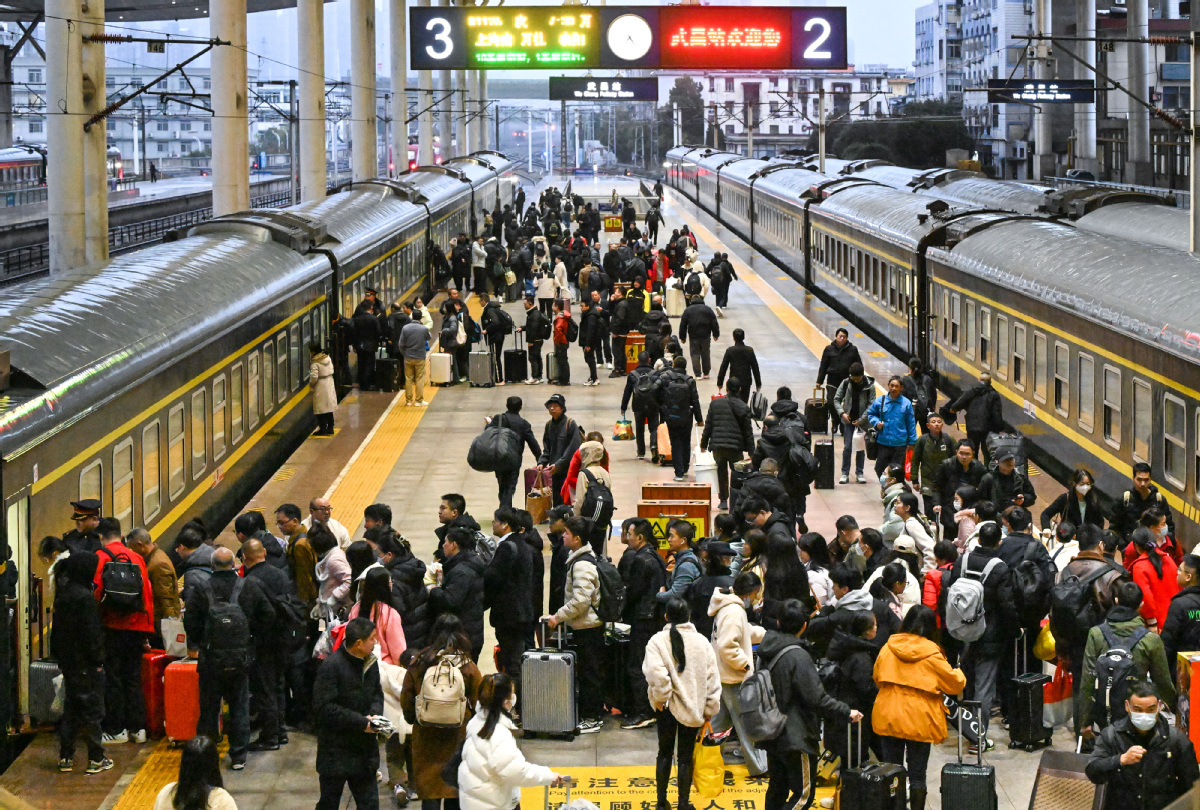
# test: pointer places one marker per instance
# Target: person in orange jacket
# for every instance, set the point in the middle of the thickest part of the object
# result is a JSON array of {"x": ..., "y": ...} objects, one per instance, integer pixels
[
  {"x": 913, "y": 674},
  {"x": 562, "y": 341}
]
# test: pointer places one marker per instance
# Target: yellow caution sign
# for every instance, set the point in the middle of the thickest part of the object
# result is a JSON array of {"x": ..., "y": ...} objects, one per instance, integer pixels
[
  {"x": 662, "y": 525},
  {"x": 612, "y": 224},
  {"x": 635, "y": 788}
]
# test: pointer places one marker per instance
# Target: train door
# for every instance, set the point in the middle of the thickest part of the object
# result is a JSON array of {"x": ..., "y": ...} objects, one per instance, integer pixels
[{"x": 16, "y": 524}]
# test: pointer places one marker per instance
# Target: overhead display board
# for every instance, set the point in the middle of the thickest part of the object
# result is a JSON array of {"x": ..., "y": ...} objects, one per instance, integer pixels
[
  {"x": 605, "y": 88},
  {"x": 666, "y": 37},
  {"x": 1035, "y": 91}
]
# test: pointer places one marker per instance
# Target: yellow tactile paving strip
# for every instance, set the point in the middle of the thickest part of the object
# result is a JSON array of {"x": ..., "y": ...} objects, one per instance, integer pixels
[{"x": 159, "y": 770}]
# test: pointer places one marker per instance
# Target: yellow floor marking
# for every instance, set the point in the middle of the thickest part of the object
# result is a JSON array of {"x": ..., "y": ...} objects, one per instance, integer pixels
[
  {"x": 877, "y": 354},
  {"x": 160, "y": 769}
]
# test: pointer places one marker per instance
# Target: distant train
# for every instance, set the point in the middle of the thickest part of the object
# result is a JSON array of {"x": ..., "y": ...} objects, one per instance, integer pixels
[
  {"x": 24, "y": 166},
  {"x": 1092, "y": 340},
  {"x": 171, "y": 382}
]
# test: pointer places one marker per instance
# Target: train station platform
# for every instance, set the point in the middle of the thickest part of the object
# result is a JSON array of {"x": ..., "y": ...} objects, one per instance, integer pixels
[{"x": 408, "y": 457}]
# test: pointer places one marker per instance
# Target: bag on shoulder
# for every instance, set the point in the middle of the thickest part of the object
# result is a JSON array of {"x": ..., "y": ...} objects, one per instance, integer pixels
[
  {"x": 226, "y": 631},
  {"x": 830, "y": 674},
  {"x": 761, "y": 716},
  {"x": 758, "y": 406},
  {"x": 497, "y": 448},
  {"x": 612, "y": 588},
  {"x": 1116, "y": 673},
  {"x": 572, "y": 330},
  {"x": 598, "y": 504},
  {"x": 122, "y": 581},
  {"x": 965, "y": 619},
  {"x": 442, "y": 700},
  {"x": 485, "y": 547}
]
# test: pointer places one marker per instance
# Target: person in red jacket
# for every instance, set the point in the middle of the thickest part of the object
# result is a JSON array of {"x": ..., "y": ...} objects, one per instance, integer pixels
[
  {"x": 1156, "y": 574},
  {"x": 562, "y": 341},
  {"x": 945, "y": 554},
  {"x": 1156, "y": 521},
  {"x": 126, "y": 635},
  {"x": 568, "y": 487}
]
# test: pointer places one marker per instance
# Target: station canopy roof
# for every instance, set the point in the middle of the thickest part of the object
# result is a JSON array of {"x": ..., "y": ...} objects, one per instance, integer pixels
[{"x": 138, "y": 10}]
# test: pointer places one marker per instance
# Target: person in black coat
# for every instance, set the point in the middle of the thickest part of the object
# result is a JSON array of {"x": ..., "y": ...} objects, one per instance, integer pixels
[
  {"x": 347, "y": 697},
  {"x": 765, "y": 484},
  {"x": 591, "y": 337},
  {"x": 557, "y": 520},
  {"x": 835, "y": 367},
  {"x": 505, "y": 591},
  {"x": 533, "y": 540},
  {"x": 700, "y": 323},
  {"x": 271, "y": 648},
  {"x": 679, "y": 402},
  {"x": 1081, "y": 490},
  {"x": 715, "y": 556},
  {"x": 461, "y": 588},
  {"x": 742, "y": 364},
  {"x": 408, "y": 587},
  {"x": 560, "y": 439},
  {"x": 367, "y": 336},
  {"x": 77, "y": 643},
  {"x": 961, "y": 470},
  {"x": 645, "y": 573},
  {"x": 854, "y": 651},
  {"x": 506, "y": 479},
  {"x": 984, "y": 414},
  {"x": 729, "y": 433},
  {"x": 1181, "y": 628}
]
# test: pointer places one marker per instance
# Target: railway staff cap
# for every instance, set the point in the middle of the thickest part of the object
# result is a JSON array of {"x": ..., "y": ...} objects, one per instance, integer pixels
[{"x": 89, "y": 507}]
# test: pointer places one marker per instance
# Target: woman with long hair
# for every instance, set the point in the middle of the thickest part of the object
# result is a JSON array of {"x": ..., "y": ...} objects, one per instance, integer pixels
[
  {"x": 1156, "y": 574},
  {"x": 913, "y": 675},
  {"x": 1079, "y": 505},
  {"x": 361, "y": 557},
  {"x": 892, "y": 484},
  {"x": 493, "y": 769},
  {"x": 199, "y": 786},
  {"x": 908, "y": 508},
  {"x": 733, "y": 639},
  {"x": 333, "y": 572},
  {"x": 754, "y": 553},
  {"x": 432, "y": 746},
  {"x": 786, "y": 578},
  {"x": 814, "y": 553},
  {"x": 966, "y": 518},
  {"x": 375, "y": 602},
  {"x": 685, "y": 692}
]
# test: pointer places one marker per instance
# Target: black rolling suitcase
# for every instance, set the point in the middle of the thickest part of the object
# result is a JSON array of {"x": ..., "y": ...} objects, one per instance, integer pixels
[
  {"x": 616, "y": 679},
  {"x": 969, "y": 786},
  {"x": 387, "y": 373},
  {"x": 872, "y": 785},
  {"x": 826, "y": 467},
  {"x": 516, "y": 365},
  {"x": 1026, "y": 730},
  {"x": 816, "y": 411}
]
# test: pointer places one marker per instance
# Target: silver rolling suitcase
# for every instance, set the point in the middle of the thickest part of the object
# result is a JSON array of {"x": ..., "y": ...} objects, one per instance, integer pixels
[
  {"x": 479, "y": 370},
  {"x": 548, "y": 700}
]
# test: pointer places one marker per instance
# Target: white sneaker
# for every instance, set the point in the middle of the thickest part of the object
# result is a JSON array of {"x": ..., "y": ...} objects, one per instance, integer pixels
[
  {"x": 138, "y": 737},
  {"x": 827, "y": 802},
  {"x": 845, "y": 479},
  {"x": 421, "y": 404},
  {"x": 113, "y": 739}
]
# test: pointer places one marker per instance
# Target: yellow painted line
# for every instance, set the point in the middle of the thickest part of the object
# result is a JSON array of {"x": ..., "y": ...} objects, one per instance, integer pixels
[
  {"x": 160, "y": 769},
  {"x": 383, "y": 258},
  {"x": 860, "y": 297},
  {"x": 873, "y": 250}
]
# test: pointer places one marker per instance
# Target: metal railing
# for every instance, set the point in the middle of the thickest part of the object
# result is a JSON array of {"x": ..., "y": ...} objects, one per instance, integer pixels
[
  {"x": 27, "y": 260},
  {"x": 1182, "y": 199}
]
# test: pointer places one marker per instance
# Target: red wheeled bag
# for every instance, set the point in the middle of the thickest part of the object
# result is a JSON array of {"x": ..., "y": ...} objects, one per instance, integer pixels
[
  {"x": 154, "y": 668},
  {"x": 181, "y": 683}
]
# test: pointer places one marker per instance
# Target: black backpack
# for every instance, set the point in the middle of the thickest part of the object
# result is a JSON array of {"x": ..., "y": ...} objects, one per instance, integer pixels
[
  {"x": 675, "y": 394},
  {"x": 541, "y": 329},
  {"x": 1074, "y": 610},
  {"x": 122, "y": 581},
  {"x": 692, "y": 284},
  {"x": 291, "y": 618},
  {"x": 506, "y": 322},
  {"x": 226, "y": 631},
  {"x": 1033, "y": 587},
  {"x": 612, "y": 587},
  {"x": 1115, "y": 674},
  {"x": 572, "y": 330},
  {"x": 645, "y": 388},
  {"x": 598, "y": 504},
  {"x": 830, "y": 674}
]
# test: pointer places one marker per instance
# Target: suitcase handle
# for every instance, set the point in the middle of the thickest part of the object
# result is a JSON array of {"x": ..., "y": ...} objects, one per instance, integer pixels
[
  {"x": 544, "y": 626},
  {"x": 982, "y": 742},
  {"x": 849, "y": 734},
  {"x": 819, "y": 393}
]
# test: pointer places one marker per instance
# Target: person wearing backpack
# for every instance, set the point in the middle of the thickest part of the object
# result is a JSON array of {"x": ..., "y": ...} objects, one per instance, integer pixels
[
  {"x": 848, "y": 676},
  {"x": 699, "y": 322},
  {"x": 641, "y": 387},
  {"x": 218, "y": 621},
  {"x": 729, "y": 433},
  {"x": 977, "y": 591},
  {"x": 458, "y": 585},
  {"x": 537, "y": 330},
  {"x": 506, "y": 582},
  {"x": 733, "y": 640},
  {"x": 685, "y": 692},
  {"x": 803, "y": 701},
  {"x": 679, "y": 402},
  {"x": 497, "y": 325},
  {"x": 1033, "y": 576},
  {"x": 581, "y": 597},
  {"x": 122, "y": 587},
  {"x": 1120, "y": 652},
  {"x": 440, "y": 691},
  {"x": 913, "y": 676},
  {"x": 597, "y": 508},
  {"x": 274, "y": 637}
]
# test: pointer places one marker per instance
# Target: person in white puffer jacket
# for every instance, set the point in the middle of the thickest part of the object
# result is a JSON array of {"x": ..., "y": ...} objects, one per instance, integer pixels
[{"x": 493, "y": 769}]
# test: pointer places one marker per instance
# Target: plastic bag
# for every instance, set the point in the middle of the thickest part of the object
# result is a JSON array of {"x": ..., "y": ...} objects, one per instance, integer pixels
[
  {"x": 860, "y": 440},
  {"x": 1043, "y": 647},
  {"x": 623, "y": 431},
  {"x": 703, "y": 459},
  {"x": 708, "y": 778},
  {"x": 60, "y": 698},
  {"x": 1057, "y": 702}
]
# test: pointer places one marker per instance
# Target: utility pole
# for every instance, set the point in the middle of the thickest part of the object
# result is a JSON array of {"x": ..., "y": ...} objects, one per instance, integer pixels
[
  {"x": 1043, "y": 160},
  {"x": 529, "y": 138},
  {"x": 821, "y": 129},
  {"x": 1194, "y": 174},
  {"x": 294, "y": 139},
  {"x": 750, "y": 125}
]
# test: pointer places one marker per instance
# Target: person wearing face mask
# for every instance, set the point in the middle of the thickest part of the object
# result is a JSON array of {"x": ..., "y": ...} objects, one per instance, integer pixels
[
  {"x": 1145, "y": 763},
  {"x": 733, "y": 640},
  {"x": 1155, "y": 520},
  {"x": 1079, "y": 505},
  {"x": 493, "y": 769},
  {"x": 960, "y": 470}
]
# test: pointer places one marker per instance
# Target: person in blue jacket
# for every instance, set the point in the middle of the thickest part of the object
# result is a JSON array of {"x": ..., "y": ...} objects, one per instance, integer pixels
[{"x": 895, "y": 424}]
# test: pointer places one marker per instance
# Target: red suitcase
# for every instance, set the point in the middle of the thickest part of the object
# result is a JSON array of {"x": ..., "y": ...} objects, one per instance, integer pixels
[
  {"x": 154, "y": 666},
  {"x": 182, "y": 706}
]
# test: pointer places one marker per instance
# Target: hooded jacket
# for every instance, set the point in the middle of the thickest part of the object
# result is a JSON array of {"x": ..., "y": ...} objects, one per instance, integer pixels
[
  {"x": 728, "y": 427},
  {"x": 1181, "y": 630},
  {"x": 913, "y": 674},
  {"x": 494, "y": 770},
  {"x": 505, "y": 583},
  {"x": 1149, "y": 660},
  {"x": 644, "y": 572},
  {"x": 692, "y": 696},
  {"x": 1157, "y": 591},
  {"x": 320, "y": 379},
  {"x": 845, "y": 401},
  {"x": 982, "y": 403},
  {"x": 998, "y": 608},
  {"x": 855, "y": 657},
  {"x": 461, "y": 592},
  {"x": 800, "y": 695},
  {"x": 591, "y": 458},
  {"x": 733, "y": 637}
]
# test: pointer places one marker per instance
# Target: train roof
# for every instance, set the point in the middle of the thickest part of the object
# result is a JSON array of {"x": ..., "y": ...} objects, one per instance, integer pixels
[
  {"x": 787, "y": 183},
  {"x": 882, "y": 212},
  {"x": 78, "y": 338},
  {"x": 1142, "y": 290},
  {"x": 498, "y": 161},
  {"x": 476, "y": 171},
  {"x": 742, "y": 168},
  {"x": 1153, "y": 224},
  {"x": 435, "y": 185},
  {"x": 360, "y": 217}
]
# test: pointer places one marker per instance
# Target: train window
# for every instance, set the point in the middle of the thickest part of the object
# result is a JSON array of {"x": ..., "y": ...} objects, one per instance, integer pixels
[
  {"x": 1112, "y": 406},
  {"x": 91, "y": 482},
  {"x": 955, "y": 307},
  {"x": 873, "y": 283},
  {"x": 151, "y": 500},
  {"x": 1002, "y": 347},
  {"x": 175, "y": 452},
  {"x": 294, "y": 353},
  {"x": 199, "y": 434},
  {"x": 1062, "y": 378},
  {"x": 985, "y": 335},
  {"x": 252, "y": 366},
  {"x": 236, "y": 416},
  {"x": 1018, "y": 356},
  {"x": 894, "y": 287},
  {"x": 122, "y": 502},
  {"x": 1087, "y": 392},
  {"x": 945, "y": 316},
  {"x": 268, "y": 378},
  {"x": 281, "y": 365},
  {"x": 218, "y": 410},
  {"x": 1142, "y": 419},
  {"x": 306, "y": 334},
  {"x": 1175, "y": 440},
  {"x": 347, "y": 300},
  {"x": 1040, "y": 367},
  {"x": 969, "y": 343}
]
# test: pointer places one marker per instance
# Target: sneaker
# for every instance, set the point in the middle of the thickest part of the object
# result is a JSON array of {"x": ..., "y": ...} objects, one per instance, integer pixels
[
  {"x": 638, "y": 722},
  {"x": 720, "y": 314},
  {"x": 614, "y": 374},
  {"x": 237, "y": 765},
  {"x": 264, "y": 745},
  {"x": 862, "y": 479},
  {"x": 113, "y": 739},
  {"x": 65, "y": 765},
  {"x": 681, "y": 478},
  {"x": 723, "y": 506},
  {"x": 641, "y": 458},
  {"x": 845, "y": 479},
  {"x": 421, "y": 404},
  {"x": 400, "y": 795},
  {"x": 138, "y": 737},
  {"x": 591, "y": 726},
  {"x": 827, "y": 802},
  {"x": 705, "y": 377},
  {"x": 96, "y": 767},
  {"x": 974, "y": 747},
  {"x": 531, "y": 381},
  {"x": 407, "y": 404}
]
